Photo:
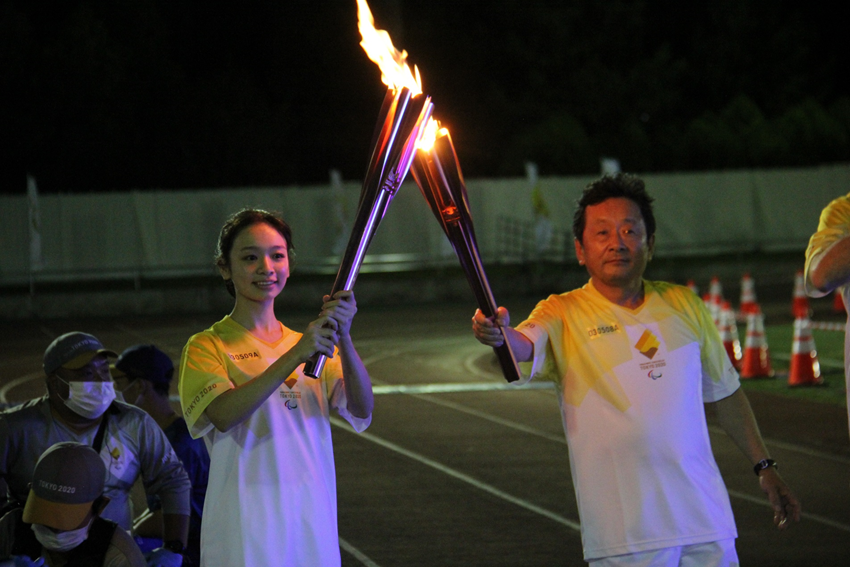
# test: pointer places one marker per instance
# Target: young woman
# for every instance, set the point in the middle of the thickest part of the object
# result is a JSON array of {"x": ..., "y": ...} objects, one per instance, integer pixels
[{"x": 271, "y": 498}]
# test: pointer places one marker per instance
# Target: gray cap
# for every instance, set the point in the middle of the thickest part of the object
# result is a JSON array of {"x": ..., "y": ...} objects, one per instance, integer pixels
[
  {"x": 73, "y": 350},
  {"x": 67, "y": 479}
]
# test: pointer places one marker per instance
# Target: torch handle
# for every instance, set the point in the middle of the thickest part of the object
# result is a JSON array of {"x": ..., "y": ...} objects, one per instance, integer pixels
[
  {"x": 315, "y": 365},
  {"x": 470, "y": 260},
  {"x": 435, "y": 187},
  {"x": 361, "y": 234},
  {"x": 371, "y": 212},
  {"x": 399, "y": 127}
]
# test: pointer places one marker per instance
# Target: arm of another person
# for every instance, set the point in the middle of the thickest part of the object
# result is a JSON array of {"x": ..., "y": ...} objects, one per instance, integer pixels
[
  {"x": 175, "y": 527},
  {"x": 833, "y": 269},
  {"x": 163, "y": 474},
  {"x": 492, "y": 331},
  {"x": 234, "y": 406},
  {"x": 123, "y": 551},
  {"x": 737, "y": 420},
  {"x": 358, "y": 386}
]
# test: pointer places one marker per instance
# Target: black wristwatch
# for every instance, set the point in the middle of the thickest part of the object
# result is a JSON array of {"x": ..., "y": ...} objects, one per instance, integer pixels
[
  {"x": 174, "y": 545},
  {"x": 764, "y": 464}
]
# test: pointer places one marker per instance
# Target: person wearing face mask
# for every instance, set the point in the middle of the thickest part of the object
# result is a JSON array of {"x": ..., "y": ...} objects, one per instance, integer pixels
[
  {"x": 64, "y": 506},
  {"x": 143, "y": 375},
  {"x": 80, "y": 406}
]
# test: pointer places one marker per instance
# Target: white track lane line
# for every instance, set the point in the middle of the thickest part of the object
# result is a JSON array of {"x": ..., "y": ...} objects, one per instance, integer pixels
[
  {"x": 14, "y": 383},
  {"x": 359, "y": 555},
  {"x": 460, "y": 476},
  {"x": 560, "y": 439}
]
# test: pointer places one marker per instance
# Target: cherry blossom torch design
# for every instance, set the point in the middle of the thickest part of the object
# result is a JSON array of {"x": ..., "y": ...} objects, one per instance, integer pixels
[
  {"x": 401, "y": 122},
  {"x": 436, "y": 170}
]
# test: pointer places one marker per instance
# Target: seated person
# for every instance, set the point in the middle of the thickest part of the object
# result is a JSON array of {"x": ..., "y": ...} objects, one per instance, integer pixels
[
  {"x": 64, "y": 506},
  {"x": 143, "y": 375},
  {"x": 80, "y": 406}
]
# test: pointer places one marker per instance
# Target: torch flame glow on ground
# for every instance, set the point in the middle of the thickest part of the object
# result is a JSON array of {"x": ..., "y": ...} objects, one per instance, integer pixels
[{"x": 395, "y": 72}]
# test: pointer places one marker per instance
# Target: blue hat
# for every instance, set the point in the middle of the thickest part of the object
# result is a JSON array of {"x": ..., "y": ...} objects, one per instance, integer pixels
[{"x": 146, "y": 361}]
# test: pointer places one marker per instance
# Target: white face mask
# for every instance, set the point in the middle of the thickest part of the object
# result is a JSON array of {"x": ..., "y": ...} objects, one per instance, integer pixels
[
  {"x": 60, "y": 541},
  {"x": 119, "y": 394},
  {"x": 89, "y": 399}
]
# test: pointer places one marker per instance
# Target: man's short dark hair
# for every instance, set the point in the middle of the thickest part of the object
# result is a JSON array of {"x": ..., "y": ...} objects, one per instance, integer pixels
[{"x": 610, "y": 187}]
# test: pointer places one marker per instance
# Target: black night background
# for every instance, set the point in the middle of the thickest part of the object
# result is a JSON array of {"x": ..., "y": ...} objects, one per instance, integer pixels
[{"x": 155, "y": 94}]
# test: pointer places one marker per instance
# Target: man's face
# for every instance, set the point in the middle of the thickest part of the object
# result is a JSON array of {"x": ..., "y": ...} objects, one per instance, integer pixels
[
  {"x": 614, "y": 247},
  {"x": 97, "y": 370}
]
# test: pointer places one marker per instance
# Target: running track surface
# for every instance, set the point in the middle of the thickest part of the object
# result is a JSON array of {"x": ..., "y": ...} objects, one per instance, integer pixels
[{"x": 459, "y": 469}]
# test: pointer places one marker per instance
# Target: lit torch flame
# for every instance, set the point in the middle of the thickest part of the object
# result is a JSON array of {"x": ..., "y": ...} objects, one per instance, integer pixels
[
  {"x": 401, "y": 122},
  {"x": 395, "y": 72},
  {"x": 429, "y": 135}
]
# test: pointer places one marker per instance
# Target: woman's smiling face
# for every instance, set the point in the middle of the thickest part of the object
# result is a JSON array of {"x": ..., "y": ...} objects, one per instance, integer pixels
[{"x": 258, "y": 263}]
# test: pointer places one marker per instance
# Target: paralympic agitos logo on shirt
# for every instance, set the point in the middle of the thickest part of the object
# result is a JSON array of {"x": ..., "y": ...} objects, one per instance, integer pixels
[{"x": 291, "y": 399}]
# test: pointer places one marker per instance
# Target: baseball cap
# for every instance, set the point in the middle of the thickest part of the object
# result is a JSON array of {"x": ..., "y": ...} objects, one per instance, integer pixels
[
  {"x": 146, "y": 361},
  {"x": 67, "y": 479},
  {"x": 73, "y": 351}
]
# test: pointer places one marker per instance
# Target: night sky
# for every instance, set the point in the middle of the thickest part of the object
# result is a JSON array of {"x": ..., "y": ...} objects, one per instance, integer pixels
[{"x": 153, "y": 94}]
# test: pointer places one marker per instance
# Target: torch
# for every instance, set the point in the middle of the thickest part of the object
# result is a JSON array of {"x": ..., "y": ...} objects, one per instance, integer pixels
[
  {"x": 401, "y": 122},
  {"x": 436, "y": 170}
]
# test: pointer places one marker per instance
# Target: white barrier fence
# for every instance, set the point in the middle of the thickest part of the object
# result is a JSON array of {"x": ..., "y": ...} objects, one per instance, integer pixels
[{"x": 164, "y": 234}]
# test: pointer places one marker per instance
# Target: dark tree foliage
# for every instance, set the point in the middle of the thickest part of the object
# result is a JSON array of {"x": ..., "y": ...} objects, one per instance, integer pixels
[{"x": 103, "y": 95}]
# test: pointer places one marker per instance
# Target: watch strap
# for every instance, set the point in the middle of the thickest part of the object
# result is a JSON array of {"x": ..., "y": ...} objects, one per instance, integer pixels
[{"x": 764, "y": 464}]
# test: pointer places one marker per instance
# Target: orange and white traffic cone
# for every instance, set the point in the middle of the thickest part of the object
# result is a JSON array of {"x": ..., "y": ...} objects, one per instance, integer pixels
[
  {"x": 837, "y": 302},
  {"x": 748, "y": 294},
  {"x": 800, "y": 304},
  {"x": 715, "y": 299},
  {"x": 756, "y": 360},
  {"x": 805, "y": 368},
  {"x": 692, "y": 285},
  {"x": 729, "y": 334}
]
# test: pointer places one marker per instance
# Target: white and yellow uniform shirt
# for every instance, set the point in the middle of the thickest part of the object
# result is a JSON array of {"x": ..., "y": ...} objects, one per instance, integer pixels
[
  {"x": 271, "y": 498},
  {"x": 834, "y": 226},
  {"x": 631, "y": 385}
]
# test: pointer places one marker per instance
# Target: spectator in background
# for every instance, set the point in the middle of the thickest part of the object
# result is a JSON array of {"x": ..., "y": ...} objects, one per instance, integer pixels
[
  {"x": 80, "y": 406},
  {"x": 143, "y": 375},
  {"x": 828, "y": 264},
  {"x": 64, "y": 506}
]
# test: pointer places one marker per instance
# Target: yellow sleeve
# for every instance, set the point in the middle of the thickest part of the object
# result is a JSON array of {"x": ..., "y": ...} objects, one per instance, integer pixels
[
  {"x": 203, "y": 377},
  {"x": 834, "y": 225},
  {"x": 544, "y": 328}
]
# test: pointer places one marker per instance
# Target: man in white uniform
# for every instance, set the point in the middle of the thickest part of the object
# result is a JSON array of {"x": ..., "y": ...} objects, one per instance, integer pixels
[
  {"x": 828, "y": 263},
  {"x": 633, "y": 362}
]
